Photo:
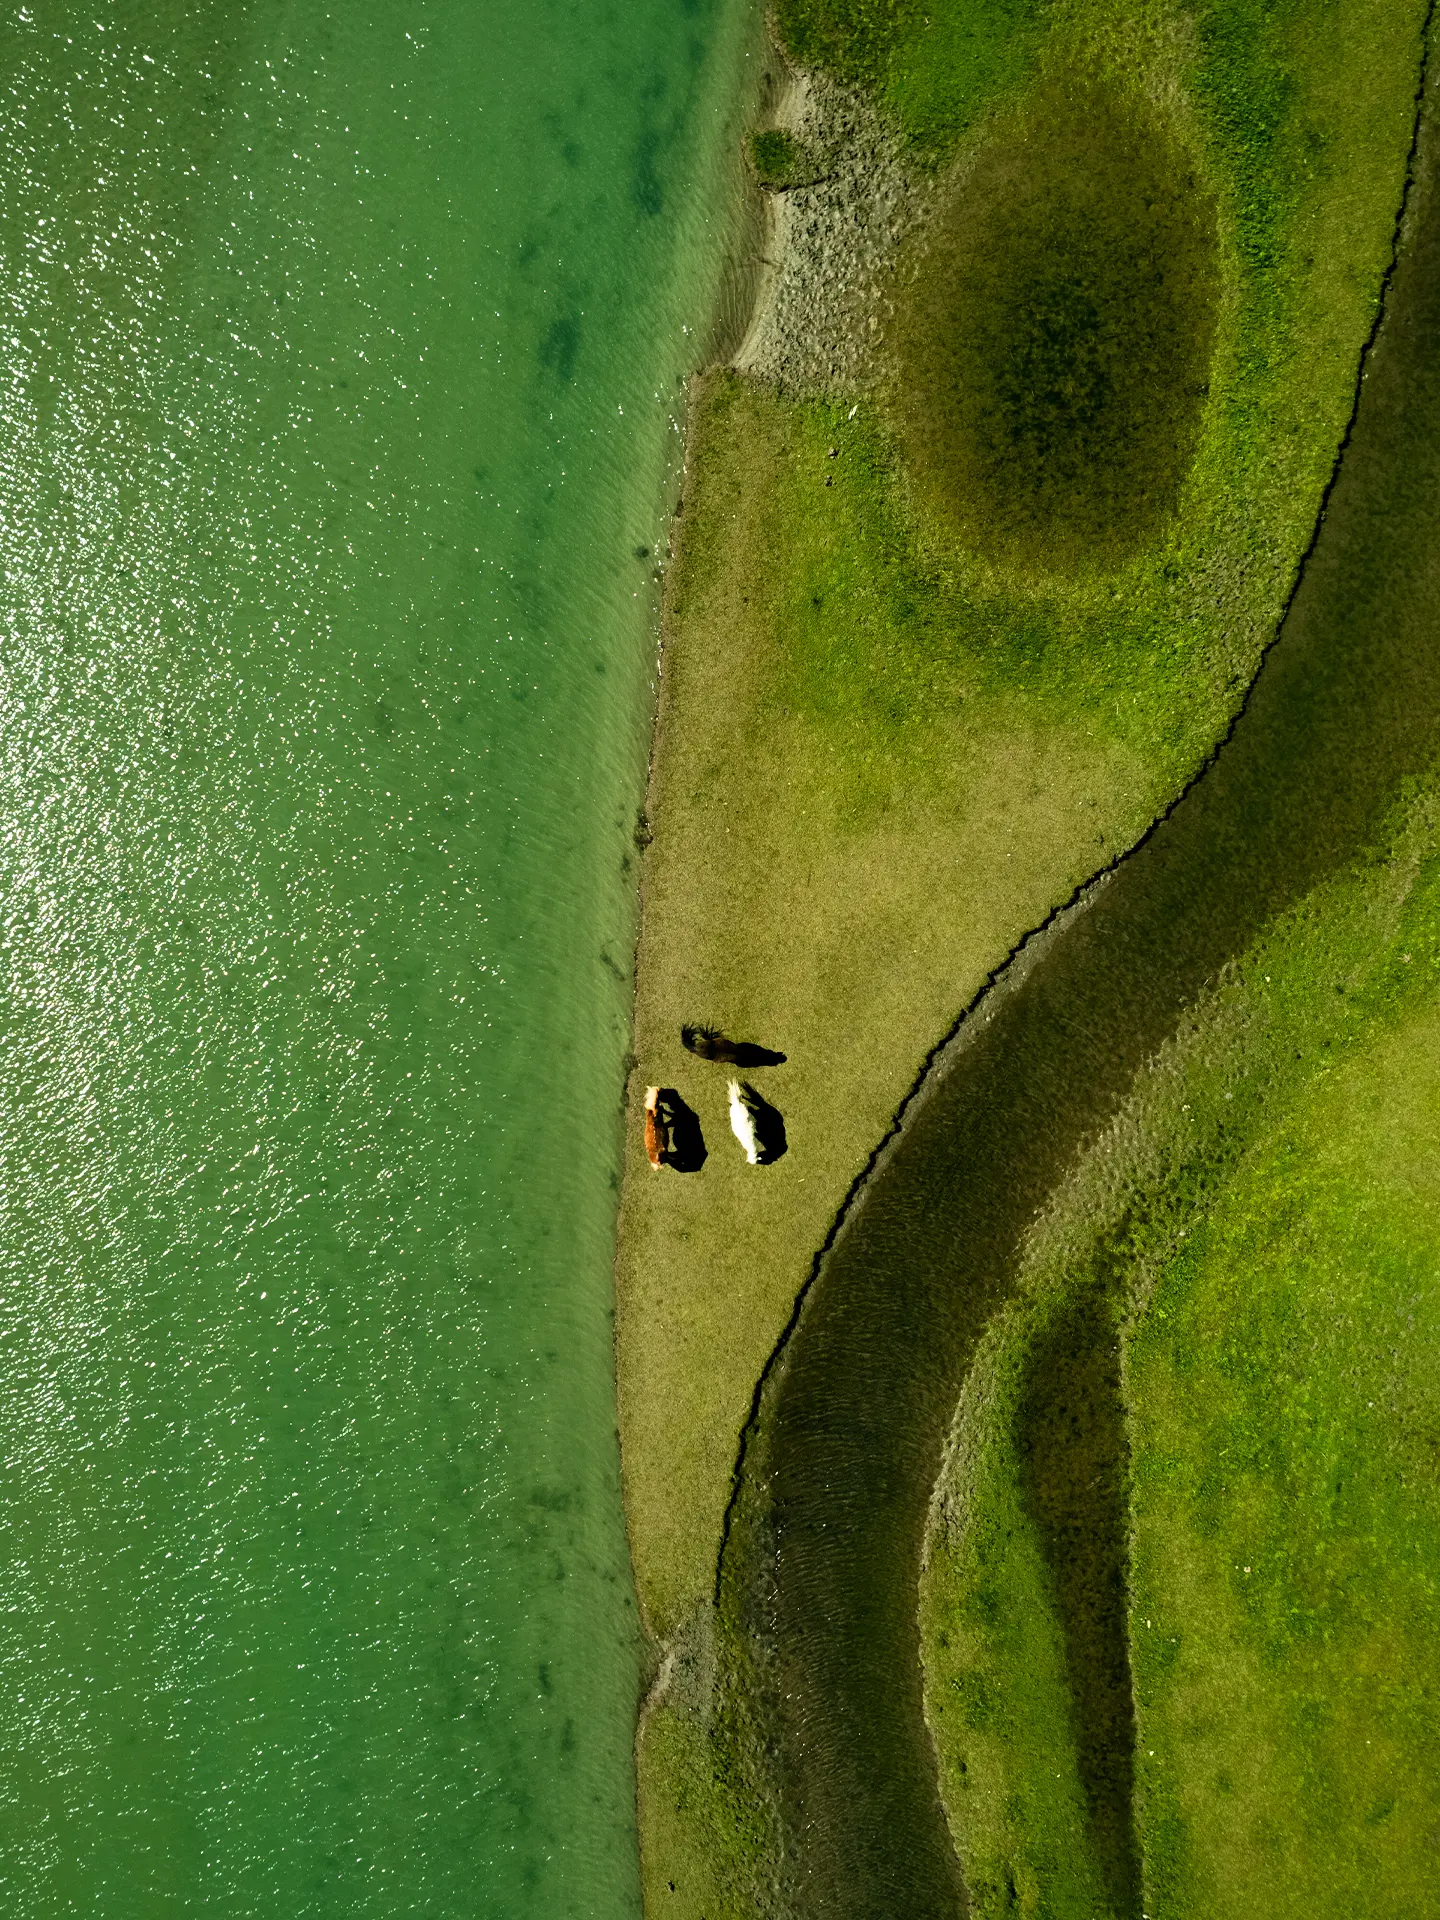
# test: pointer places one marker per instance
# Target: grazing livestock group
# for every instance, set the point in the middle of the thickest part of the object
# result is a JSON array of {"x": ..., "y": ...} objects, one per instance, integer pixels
[{"x": 673, "y": 1136}]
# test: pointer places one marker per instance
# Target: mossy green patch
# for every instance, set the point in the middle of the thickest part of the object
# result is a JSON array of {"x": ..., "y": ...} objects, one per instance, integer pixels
[
  {"x": 1071, "y": 1445},
  {"x": 1019, "y": 1786},
  {"x": 935, "y": 69},
  {"x": 779, "y": 159},
  {"x": 1055, "y": 355}
]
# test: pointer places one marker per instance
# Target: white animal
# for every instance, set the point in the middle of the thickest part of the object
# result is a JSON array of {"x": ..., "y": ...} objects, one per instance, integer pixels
[{"x": 742, "y": 1123}]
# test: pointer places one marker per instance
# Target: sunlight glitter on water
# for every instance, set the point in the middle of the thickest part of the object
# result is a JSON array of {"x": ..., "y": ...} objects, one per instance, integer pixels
[{"x": 331, "y": 429}]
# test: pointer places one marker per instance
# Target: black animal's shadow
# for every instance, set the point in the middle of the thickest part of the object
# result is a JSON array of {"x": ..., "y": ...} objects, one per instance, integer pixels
[
  {"x": 770, "y": 1141},
  {"x": 710, "y": 1045},
  {"x": 685, "y": 1149}
]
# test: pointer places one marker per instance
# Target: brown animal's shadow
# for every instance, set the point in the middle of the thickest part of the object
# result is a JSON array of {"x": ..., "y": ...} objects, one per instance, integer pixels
[
  {"x": 710, "y": 1045},
  {"x": 673, "y": 1135}
]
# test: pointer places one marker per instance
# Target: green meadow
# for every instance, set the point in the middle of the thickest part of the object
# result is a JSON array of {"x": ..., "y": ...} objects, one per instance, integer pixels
[
  {"x": 1181, "y": 1608},
  {"x": 935, "y": 651}
]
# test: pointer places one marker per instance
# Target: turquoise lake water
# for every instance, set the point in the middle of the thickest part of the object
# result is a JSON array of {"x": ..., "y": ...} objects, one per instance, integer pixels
[{"x": 341, "y": 350}]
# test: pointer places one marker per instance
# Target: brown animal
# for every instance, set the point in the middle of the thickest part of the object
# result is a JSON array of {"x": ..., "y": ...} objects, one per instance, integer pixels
[
  {"x": 657, "y": 1129},
  {"x": 672, "y": 1132}
]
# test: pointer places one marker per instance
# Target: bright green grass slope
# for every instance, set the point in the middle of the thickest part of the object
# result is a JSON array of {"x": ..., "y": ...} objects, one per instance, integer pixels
[
  {"x": 1286, "y": 1392},
  {"x": 1263, "y": 1224}
]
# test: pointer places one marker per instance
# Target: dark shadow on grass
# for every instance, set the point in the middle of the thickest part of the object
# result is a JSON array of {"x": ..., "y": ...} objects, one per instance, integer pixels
[
  {"x": 681, "y": 1138},
  {"x": 1074, "y": 1463}
]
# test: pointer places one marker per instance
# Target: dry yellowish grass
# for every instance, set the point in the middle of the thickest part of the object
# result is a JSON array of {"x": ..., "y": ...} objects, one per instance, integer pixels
[{"x": 770, "y": 911}]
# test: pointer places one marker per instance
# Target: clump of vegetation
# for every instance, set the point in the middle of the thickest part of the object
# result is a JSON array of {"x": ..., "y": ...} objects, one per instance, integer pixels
[
  {"x": 779, "y": 159},
  {"x": 934, "y": 69},
  {"x": 1056, "y": 358},
  {"x": 1073, "y": 1460},
  {"x": 1036, "y": 1772}
]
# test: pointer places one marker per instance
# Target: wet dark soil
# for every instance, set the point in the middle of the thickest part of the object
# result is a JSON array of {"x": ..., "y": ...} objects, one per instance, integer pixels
[{"x": 1055, "y": 355}]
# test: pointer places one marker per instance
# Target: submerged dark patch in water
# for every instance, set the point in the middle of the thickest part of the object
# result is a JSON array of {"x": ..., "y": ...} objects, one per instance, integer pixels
[
  {"x": 646, "y": 189},
  {"x": 819, "y": 1574},
  {"x": 1055, "y": 358},
  {"x": 560, "y": 346},
  {"x": 1074, "y": 1463}
]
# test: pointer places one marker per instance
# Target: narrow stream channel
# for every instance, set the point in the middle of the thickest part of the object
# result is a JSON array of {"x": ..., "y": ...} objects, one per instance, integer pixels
[{"x": 822, "y": 1560}]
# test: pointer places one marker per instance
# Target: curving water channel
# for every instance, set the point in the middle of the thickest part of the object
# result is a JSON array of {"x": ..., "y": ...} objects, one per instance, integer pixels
[{"x": 822, "y": 1560}]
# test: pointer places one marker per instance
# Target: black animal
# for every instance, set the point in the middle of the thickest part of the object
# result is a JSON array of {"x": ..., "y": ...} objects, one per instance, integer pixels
[{"x": 710, "y": 1045}]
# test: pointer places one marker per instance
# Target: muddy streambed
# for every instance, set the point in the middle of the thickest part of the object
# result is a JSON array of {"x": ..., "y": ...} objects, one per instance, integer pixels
[{"x": 821, "y": 1564}]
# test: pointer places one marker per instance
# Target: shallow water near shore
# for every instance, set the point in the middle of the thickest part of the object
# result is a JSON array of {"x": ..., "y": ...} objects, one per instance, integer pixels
[{"x": 342, "y": 360}]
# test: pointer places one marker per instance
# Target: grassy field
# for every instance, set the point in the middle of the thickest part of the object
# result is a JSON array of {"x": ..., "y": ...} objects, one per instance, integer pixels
[
  {"x": 898, "y": 722},
  {"x": 1286, "y": 1387},
  {"x": 1233, "y": 1307}
]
